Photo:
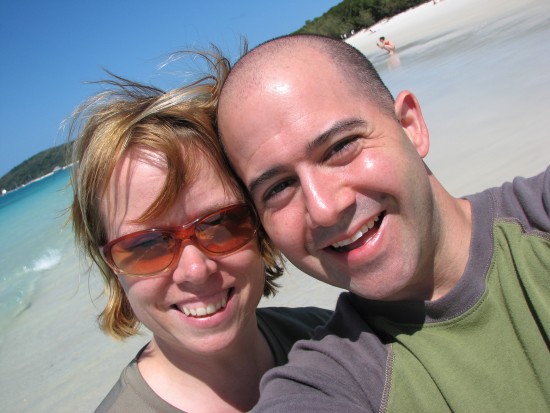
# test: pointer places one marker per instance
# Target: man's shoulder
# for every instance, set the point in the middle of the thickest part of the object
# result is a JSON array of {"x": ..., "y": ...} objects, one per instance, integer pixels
[{"x": 524, "y": 200}]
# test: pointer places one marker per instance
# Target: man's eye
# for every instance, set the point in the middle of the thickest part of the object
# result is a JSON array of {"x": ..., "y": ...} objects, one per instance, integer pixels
[
  {"x": 341, "y": 147},
  {"x": 277, "y": 189}
]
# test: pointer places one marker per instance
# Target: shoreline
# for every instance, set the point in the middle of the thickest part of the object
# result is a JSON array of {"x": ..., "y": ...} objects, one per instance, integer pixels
[
  {"x": 428, "y": 19},
  {"x": 40, "y": 178}
]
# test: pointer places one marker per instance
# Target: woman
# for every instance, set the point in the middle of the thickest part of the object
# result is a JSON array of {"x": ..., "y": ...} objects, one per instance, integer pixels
[{"x": 180, "y": 250}]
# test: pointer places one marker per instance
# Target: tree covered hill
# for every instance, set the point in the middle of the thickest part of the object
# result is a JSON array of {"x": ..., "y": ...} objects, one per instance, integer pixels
[
  {"x": 355, "y": 15},
  {"x": 36, "y": 166},
  {"x": 341, "y": 19}
]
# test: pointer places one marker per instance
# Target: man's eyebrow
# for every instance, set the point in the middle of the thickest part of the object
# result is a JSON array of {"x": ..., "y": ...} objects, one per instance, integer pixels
[
  {"x": 266, "y": 176},
  {"x": 335, "y": 129}
]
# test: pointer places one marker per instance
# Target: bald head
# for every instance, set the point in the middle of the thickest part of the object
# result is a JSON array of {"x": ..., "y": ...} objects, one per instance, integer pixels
[
  {"x": 294, "y": 86},
  {"x": 287, "y": 53}
]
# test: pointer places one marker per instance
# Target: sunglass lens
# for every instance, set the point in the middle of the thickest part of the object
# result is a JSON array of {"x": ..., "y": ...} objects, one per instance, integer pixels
[
  {"x": 145, "y": 253},
  {"x": 226, "y": 231}
]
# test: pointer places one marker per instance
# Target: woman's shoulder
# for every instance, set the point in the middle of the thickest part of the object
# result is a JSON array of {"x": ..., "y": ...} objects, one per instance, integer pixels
[
  {"x": 131, "y": 393},
  {"x": 307, "y": 315},
  {"x": 283, "y": 326}
]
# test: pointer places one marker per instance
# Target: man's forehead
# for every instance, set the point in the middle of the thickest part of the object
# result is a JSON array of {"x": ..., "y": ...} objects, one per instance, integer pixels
[
  {"x": 268, "y": 88},
  {"x": 266, "y": 64},
  {"x": 264, "y": 103},
  {"x": 258, "y": 155}
]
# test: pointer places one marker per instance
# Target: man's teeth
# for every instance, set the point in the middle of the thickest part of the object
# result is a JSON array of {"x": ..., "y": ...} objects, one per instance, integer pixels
[
  {"x": 362, "y": 231},
  {"x": 202, "y": 311}
]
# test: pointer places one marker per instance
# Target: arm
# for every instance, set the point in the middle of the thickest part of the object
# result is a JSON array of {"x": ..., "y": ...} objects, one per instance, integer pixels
[
  {"x": 528, "y": 200},
  {"x": 310, "y": 384},
  {"x": 343, "y": 368}
]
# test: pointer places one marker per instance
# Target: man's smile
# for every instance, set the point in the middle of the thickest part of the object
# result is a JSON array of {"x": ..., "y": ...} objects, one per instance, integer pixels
[{"x": 361, "y": 236}]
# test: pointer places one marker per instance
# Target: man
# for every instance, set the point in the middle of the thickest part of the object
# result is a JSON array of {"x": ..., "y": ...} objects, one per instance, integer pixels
[{"x": 449, "y": 303}]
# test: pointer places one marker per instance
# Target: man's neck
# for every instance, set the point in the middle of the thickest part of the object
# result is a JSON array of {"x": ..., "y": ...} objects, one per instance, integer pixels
[{"x": 454, "y": 238}]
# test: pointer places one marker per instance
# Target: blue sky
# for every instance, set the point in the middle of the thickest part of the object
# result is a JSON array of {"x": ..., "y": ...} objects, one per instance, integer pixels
[{"x": 50, "y": 48}]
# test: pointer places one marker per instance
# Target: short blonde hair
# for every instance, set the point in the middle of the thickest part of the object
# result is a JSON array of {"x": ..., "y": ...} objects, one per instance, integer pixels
[{"x": 130, "y": 114}]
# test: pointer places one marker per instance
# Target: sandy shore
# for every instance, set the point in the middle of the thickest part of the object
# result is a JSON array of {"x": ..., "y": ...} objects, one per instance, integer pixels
[
  {"x": 60, "y": 362},
  {"x": 428, "y": 19}
]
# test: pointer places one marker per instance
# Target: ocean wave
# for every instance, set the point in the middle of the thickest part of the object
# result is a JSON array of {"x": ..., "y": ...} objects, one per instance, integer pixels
[
  {"x": 15, "y": 298},
  {"x": 45, "y": 262},
  {"x": 18, "y": 289}
]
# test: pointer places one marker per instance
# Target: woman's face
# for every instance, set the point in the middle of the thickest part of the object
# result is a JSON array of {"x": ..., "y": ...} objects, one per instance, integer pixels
[{"x": 229, "y": 287}]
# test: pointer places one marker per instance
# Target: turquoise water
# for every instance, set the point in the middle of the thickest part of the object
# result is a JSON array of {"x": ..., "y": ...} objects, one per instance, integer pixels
[{"x": 34, "y": 241}]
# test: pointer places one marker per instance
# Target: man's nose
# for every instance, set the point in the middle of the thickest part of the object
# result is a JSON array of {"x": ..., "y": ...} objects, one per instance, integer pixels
[{"x": 326, "y": 198}]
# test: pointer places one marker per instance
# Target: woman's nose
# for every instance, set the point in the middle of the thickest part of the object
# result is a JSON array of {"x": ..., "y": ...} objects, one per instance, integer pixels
[{"x": 193, "y": 266}]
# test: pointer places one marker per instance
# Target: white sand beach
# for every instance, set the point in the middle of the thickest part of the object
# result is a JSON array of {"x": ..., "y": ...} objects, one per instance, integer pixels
[
  {"x": 429, "y": 19},
  {"x": 55, "y": 359}
]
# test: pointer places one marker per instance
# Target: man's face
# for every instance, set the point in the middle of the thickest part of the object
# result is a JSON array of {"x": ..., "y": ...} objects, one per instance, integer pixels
[{"x": 340, "y": 186}]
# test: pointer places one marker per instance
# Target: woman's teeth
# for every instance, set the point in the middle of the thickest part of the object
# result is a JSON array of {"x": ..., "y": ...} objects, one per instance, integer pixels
[
  {"x": 203, "y": 311},
  {"x": 362, "y": 231}
]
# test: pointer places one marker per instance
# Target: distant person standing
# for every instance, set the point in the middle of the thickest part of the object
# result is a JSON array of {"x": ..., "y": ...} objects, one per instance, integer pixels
[{"x": 386, "y": 45}]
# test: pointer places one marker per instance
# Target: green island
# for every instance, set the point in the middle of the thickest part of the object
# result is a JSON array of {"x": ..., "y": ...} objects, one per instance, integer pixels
[
  {"x": 36, "y": 166},
  {"x": 347, "y": 17},
  {"x": 351, "y": 16}
]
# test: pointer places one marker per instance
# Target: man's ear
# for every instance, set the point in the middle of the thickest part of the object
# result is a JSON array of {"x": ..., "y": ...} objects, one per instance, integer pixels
[{"x": 407, "y": 110}]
